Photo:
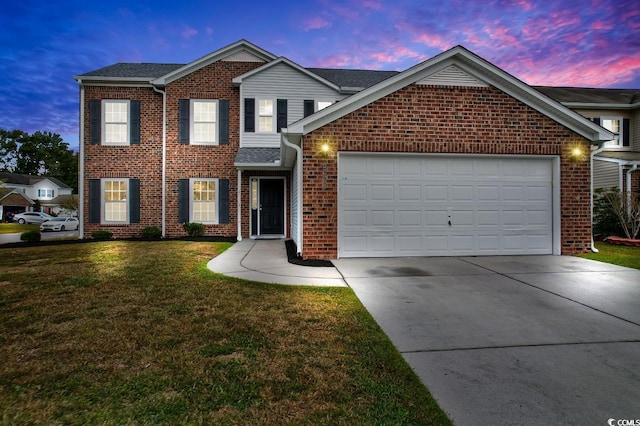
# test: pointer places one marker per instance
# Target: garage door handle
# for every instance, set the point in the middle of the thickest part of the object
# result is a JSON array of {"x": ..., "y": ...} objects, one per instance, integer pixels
[{"x": 449, "y": 223}]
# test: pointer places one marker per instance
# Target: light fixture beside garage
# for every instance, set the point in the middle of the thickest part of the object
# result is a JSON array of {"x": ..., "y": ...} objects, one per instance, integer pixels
[{"x": 577, "y": 153}]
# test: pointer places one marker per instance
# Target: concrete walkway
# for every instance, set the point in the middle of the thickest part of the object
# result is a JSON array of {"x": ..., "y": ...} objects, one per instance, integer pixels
[{"x": 266, "y": 261}]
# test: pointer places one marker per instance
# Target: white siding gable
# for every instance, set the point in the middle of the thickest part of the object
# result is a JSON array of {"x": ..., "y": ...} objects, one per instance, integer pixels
[
  {"x": 452, "y": 76},
  {"x": 281, "y": 81},
  {"x": 242, "y": 56}
]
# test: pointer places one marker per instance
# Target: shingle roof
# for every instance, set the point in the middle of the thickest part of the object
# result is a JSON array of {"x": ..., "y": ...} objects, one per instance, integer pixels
[
  {"x": 591, "y": 96},
  {"x": 353, "y": 78},
  {"x": 20, "y": 179},
  {"x": 258, "y": 155},
  {"x": 130, "y": 70}
]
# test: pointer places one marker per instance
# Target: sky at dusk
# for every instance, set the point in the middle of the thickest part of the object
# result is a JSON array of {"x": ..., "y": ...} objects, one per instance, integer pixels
[{"x": 43, "y": 44}]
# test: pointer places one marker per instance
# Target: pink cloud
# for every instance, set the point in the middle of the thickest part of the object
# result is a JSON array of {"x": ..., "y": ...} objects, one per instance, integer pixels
[
  {"x": 372, "y": 4},
  {"x": 189, "y": 32},
  {"x": 316, "y": 23},
  {"x": 336, "y": 61},
  {"x": 601, "y": 26}
]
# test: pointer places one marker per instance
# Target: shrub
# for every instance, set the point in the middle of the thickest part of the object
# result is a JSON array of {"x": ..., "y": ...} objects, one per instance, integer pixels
[
  {"x": 101, "y": 234},
  {"x": 620, "y": 209},
  {"x": 30, "y": 236},
  {"x": 605, "y": 221},
  {"x": 152, "y": 233},
  {"x": 194, "y": 229}
]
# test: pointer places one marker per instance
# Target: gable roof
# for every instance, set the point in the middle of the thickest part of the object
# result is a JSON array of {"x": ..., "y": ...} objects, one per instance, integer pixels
[
  {"x": 28, "y": 180},
  {"x": 468, "y": 63},
  {"x": 242, "y": 46},
  {"x": 129, "y": 71},
  {"x": 593, "y": 97},
  {"x": 283, "y": 60}
]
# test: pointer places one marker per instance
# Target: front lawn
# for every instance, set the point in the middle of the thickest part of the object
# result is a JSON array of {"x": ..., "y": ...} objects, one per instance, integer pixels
[
  {"x": 142, "y": 333},
  {"x": 616, "y": 254},
  {"x": 16, "y": 228}
]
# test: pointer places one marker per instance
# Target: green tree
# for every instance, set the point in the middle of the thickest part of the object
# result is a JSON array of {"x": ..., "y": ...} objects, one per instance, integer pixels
[
  {"x": 9, "y": 143},
  {"x": 39, "y": 154}
]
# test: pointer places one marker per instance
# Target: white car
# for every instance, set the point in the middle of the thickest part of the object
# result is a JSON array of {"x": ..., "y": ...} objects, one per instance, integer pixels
[
  {"x": 60, "y": 224},
  {"x": 31, "y": 217}
]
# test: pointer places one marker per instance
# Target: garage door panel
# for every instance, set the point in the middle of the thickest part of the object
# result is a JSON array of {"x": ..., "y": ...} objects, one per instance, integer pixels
[{"x": 402, "y": 206}]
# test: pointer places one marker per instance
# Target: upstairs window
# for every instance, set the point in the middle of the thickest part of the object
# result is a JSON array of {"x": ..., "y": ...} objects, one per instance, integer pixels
[
  {"x": 265, "y": 115},
  {"x": 116, "y": 122},
  {"x": 204, "y": 121},
  {"x": 45, "y": 193},
  {"x": 324, "y": 104},
  {"x": 620, "y": 127}
]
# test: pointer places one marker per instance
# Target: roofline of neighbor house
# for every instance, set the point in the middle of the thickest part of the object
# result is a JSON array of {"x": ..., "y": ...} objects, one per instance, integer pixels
[{"x": 472, "y": 64}]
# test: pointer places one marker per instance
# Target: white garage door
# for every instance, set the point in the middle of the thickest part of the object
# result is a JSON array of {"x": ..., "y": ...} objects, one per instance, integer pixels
[{"x": 416, "y": 205}]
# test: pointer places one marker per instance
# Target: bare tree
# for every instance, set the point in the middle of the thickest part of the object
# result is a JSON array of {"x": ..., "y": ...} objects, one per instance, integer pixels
[{"x": 626, "y": 207}]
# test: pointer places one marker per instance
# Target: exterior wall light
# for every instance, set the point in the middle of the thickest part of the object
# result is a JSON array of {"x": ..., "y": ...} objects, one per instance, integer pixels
[
  {"x": 325, "y": 149},
  {"x": 577, "y": 153}
]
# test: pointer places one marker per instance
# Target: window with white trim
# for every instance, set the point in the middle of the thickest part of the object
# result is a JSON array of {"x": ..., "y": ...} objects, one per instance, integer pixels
[
  {"x": 115, "y": 196},
  {"x": 614, "y": 125},
  {"x": 115, "y": 118},
  {"x": 204, "y": 200},
  {"x": 204, "y": 122},
  {"x": 323, "y": 104},
  {"x": 265, "y": 116},
  {"x": 45, "y": 193}
]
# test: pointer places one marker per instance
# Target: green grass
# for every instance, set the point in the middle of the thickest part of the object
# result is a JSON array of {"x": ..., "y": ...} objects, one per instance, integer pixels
[
  {"x": 142, "y": 333},
  {"x": 616, "y": 254},
  {"x": 16, "y": 228}
]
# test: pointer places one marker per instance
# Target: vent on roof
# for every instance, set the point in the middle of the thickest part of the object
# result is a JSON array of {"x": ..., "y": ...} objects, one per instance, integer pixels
[
  {"x": 452, "y": 76},
  {"x": 242, "y": 56}
]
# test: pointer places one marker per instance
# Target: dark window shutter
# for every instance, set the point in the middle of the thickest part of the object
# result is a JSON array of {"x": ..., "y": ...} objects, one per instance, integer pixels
[
  {"x": 183, "y": 200},
  {"x": 282, "y": 114},
  {"x": 95, "y": 121},
  {"x": 249, "y": 115},
  {"x": 223, "y": 125},
  {"x": 309, "y": 107},
  {"x": 625, "y": 131},
  {"x": 183, "y": 120},
  {"x": 95, "y": 192},
  {"x": 134, "y": 128},
  {"x": 596, "y": 120},
  {"x": 223, "y": 200},
  {"x": 134, "y": 200}
]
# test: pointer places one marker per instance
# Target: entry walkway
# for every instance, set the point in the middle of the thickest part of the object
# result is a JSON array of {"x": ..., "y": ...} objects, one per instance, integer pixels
[{"x": 266, "y": 261}]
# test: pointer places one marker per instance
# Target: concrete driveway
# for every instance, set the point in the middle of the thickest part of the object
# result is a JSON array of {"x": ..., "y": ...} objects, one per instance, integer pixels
[{"x": 529, "y": 340}]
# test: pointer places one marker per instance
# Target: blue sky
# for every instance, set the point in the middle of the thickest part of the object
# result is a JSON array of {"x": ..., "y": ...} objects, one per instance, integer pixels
[{"x": 43, "y": 44}]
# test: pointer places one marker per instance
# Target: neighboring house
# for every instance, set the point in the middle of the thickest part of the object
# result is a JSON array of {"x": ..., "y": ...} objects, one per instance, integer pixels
[
  {"x": 50, "y": 192},
  {"x": 617, "y": 110},
  {"x": 12, "y": 201},
  {"x": 453, "y": 156}
]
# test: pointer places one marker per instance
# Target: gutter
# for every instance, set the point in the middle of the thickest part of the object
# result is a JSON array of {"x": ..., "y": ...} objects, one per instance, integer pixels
[
  {"x": 298, "y": 150},
  {"x": 81, "y": 161},
  {"x": 592, "y": 155},
  {"x": 631, "y": 170},
  {"x": 164, "y": 159}
]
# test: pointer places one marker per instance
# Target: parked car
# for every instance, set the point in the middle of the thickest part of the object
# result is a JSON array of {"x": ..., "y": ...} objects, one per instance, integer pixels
[
  {"x": 31, "y": 217},
  {"x": 60, "y": 224}
]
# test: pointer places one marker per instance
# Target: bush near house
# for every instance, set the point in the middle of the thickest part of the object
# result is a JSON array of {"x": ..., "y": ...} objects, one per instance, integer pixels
[
  {"x": 101, "y": 234},
  {"x": 616, "y": 213},
  {"x": 152, "y": 233},
  {"x": 30, "y": 236},
  {"x": 194, "y": 229}
]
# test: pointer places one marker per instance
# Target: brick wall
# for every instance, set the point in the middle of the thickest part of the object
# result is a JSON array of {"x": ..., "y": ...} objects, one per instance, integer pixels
[
  {"x": 428, "y": 119},
  {"x": 142, "y": 161}
]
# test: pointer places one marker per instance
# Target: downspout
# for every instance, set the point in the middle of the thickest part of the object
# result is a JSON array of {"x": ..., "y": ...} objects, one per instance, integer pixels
[
  {"x": 81, "y": 160},
  {"x": 593, "y": 154},
  {"x": 164, "y": 158},
  {"x": 631, "y": 170},
  {"x": 298, "y": 150},
  {"x": 239, "y": 209}
]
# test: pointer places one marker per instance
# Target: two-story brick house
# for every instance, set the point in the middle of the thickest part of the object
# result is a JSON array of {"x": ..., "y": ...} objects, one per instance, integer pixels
[{"x": 451, "y": 157}]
